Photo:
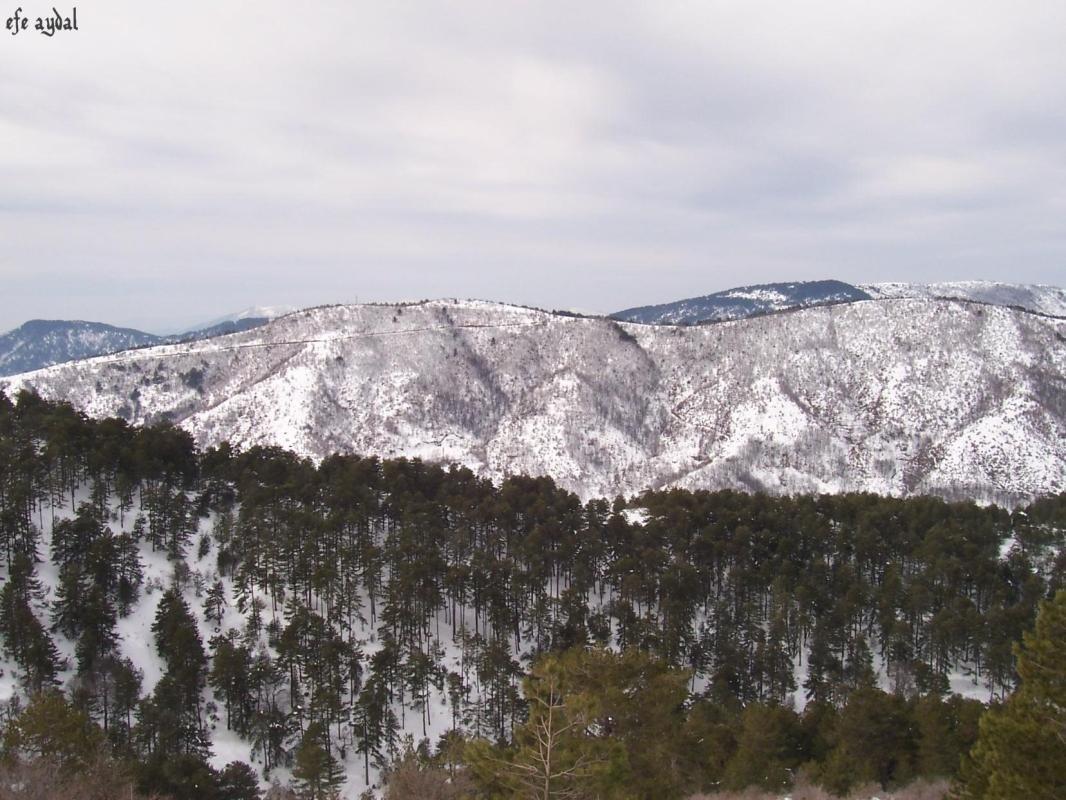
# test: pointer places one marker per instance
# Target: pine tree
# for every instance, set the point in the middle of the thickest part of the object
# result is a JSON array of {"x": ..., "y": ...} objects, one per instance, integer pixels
[
  {"x": 1021, "y": 749},
  {"x": 215, "y": 603},
  {"x": 374, "y": 724},
  {"x": 555, "y": 754},
  {"x": 316, "y": 773},
  {"x": 24, "y": 637},
  {"x": 50, "y": 728},
  {"x": 130, "y": 572},
  {"x": 872, "y": 742},
  {"x": 767, "y": 749},
  {"x": 237, "y": 781},
  {"x": 126, "y": 693},
  {"x": 177, "y": 699},
  {"x": 231, "y": 677}
]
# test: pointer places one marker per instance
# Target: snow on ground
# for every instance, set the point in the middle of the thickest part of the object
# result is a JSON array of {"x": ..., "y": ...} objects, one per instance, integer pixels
[
  {"x": 1041, "y": 299},
  {"x": 896, "y": 396},
  {"x": 137, "y": 643}
]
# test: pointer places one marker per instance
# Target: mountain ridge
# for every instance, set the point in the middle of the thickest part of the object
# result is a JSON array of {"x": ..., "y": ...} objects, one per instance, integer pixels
[
  {"x": 744, "y": 301},
  {"x": 899, "y": 396},
  {"x": 40, "y": 343},
  {"x": 1036, "y": 298},
  {"x": 33, "y": 346}
]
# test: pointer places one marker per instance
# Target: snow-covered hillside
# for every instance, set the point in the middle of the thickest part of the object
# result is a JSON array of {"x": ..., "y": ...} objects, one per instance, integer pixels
[
  {"x": 40, "y": 343},
  {"x": 1049, "y": 300},
  {"x": 245, "y": 320},
  {"x": 744, "y": 301},
  {"x": 895, "y": 396}
]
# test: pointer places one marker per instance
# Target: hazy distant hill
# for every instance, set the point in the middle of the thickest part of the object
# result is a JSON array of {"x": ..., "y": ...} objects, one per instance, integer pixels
[
  {"x": 1041, "y": 299},
  {"x": 744, "y": 301},
  {"x": 41, "y": 343}
]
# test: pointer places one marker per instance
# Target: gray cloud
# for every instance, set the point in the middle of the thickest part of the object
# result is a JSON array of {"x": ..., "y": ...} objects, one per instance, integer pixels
[{"x": 170, "y": 163}]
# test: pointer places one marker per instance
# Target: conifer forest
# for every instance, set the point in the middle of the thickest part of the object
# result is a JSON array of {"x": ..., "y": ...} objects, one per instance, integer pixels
[{"x": 412, "y": 630}]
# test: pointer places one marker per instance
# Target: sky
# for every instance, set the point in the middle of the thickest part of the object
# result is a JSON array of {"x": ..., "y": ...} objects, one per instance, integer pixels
[{"x": 168, "y": 163}]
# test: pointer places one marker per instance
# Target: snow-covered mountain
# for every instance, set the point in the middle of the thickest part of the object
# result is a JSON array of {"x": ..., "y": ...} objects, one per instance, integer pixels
[
  {"x": 894, "y": 396},
  {"x": 218, "y": 329},
  {"x": 41, "y": 343},
  {"x": 245, "y": 320},
  {"x": 744, "y": 301},
  {"x": 1049, "y": 300}
]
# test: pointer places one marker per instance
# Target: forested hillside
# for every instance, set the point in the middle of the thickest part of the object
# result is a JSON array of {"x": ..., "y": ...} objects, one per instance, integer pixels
[
  {"x": 199, "y": 608},
  {"x": 744, "y": 301}
]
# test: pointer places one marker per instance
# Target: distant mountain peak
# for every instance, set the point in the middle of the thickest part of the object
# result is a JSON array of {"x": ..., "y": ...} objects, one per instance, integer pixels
[
  {"x": 44, "y": 342},
  {"x": 41, "y": 343},
  {"x": 252, "y": 312},
  {"x": 744, "y": 301}
]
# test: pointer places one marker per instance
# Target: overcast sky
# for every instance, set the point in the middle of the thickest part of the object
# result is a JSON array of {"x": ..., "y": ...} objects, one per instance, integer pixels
[{"x": 171, "y": 162}]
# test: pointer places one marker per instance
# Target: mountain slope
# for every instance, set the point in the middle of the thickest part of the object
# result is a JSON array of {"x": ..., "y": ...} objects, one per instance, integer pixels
[
  {"x": 223, "y": 328},
  {"x": 744, "y": 301},
  {"x": 244, "y": 320},
  {"x": 41, "y": 343},
  {"x": 1050, "y": 300},
  {"x": 253, "y": 312},
  {"x": 898, "y": 396}
]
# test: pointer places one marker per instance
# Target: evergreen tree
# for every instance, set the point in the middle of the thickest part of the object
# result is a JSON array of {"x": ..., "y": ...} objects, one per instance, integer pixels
[
  {"x": 316, "y": 773},
  {"x": 637, "y": 702},
  {"x": 237, "y": 781},
  {"x": 374, "y": 724},
  {"x": 946, "y": 729},
  {"x": 24, "y": 638},
  {"x": 125, "y": 681},
  {"x": 232, "y": 677},
  {"x": 50, "y": 728},
  {"x": 872, "y": 743},
  {"x": 555, "y": 752},
  {"x": 215, "y": 603},
  {"x": 768, "y": 749},
  {"x": 1021, "y": 749},
  {"x": 175, "y": 718},
  {"x": 184, "y": 776}
]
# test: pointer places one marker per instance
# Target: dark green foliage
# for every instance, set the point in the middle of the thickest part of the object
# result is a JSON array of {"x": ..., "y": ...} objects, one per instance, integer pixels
[
  {"x": 374, "y": 725},
  {"x": 946, "y": 730},
  {"x": 215, "y": 603},
  {"x": 24, "y": 638},
  {"x": 1021, "y": 749},
  {"x": 564, "y": 749},
  {"x": 637, "y": 701},
  {"x": 172, "y": 721},
  {"x": 232, "y": 678},
  {"x": 184, "y": 776},
  {"x": 730, "y": 590},
  {"x": 237, "y": 781},
  {"x": 109, "y": 693},
  {"x": 872, "y": 742},
  {"x": 769, "y": 748},
  {"x": 50, "y": 728},
  {"x": 315, "y": 771}
]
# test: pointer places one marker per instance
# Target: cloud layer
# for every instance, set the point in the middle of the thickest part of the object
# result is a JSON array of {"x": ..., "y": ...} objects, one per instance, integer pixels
[{"x": 172, "y": 162}]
